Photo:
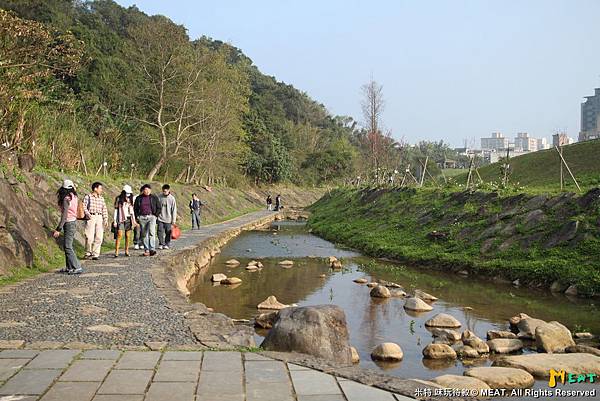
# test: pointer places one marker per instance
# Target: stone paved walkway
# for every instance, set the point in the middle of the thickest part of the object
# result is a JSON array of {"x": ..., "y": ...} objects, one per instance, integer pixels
[
  {"x": 111, "y": 375},
  {"x": 114, "y": 302}
]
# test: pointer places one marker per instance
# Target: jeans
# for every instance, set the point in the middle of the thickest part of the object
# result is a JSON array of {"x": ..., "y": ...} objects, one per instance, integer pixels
[
  {"x": 94, "y": 235},
  {"x": 137, "y": 236},
  {"x": 148, "y": 231},
  {"x": 164, "y": 233},
  {"x": 195, "y": 219},
  {"x": 71, "y": 261}
]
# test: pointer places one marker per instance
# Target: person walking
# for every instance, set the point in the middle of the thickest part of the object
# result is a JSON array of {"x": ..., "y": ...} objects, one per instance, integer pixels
[
  {"x": 167, "y": 216},
  {"x": 123, "y": 219},
  {"x": 68, "y": 203},
  {"x": 97, "y": 219},
  {"x": 278, "y": 202},
  {"x": 196, "y": 209},
  {"x": 146, "y": 208},
  {"x": 137, "y": 231},
  {"x": 269, "y": 203}
]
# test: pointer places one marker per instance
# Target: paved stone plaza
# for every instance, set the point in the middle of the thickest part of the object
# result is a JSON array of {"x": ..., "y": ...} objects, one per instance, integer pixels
[{"x": 112, "y": 375}]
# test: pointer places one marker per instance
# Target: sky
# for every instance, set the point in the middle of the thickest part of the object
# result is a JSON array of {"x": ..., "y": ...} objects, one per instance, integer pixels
[{"x": 450, "y": 70}]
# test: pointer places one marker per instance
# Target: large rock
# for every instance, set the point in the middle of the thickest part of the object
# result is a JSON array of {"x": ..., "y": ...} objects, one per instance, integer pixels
[
  {"x": 232, "y": 262},
  {"x": 477, "y": 344},
  {"x": 585, "y": 349},
  {"x": 449, "y": 334},
  {"x": 464, "y": 351},
  {"x": 286, "y": 263},
  {"x": 387, "y": 352},
  {"x": 380, "y": 292},
  {"x": 266, "y": 320},
  {"x": 231, "y": 281},
  {"x": 566, "y": 233},
  {"x": 354, "y": 355},
  {"x": 425, "y": 296},
  {"x": 539, "y": 365},
  {"x": 493, "y": 334},
  {"x": 572, "y": 290},
  {"x": 553, "y": 337},
  {"x": 527, "y": 326},
  {"x": 271, "y": 303},
  {"x": 417, "y": 305},
  {"x": 443, "y": 320},
  {"x": 397, "y": 293},
  {"x": 460, "y": 382},
  {"x": 319, "y": 331},
  {"x": 439, "y": 351},
  {"x": 504, "y": 345},
  {"x": 498, "y": 377}
]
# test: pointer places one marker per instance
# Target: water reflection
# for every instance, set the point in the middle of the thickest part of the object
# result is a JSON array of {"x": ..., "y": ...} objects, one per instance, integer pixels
[{"x": 479, "y": 305}]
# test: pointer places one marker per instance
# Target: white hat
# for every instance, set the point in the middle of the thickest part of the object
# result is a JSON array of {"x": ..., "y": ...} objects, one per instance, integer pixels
[
  {"x": 68, "y": 184},
  {"x": 127, "y": 189}
]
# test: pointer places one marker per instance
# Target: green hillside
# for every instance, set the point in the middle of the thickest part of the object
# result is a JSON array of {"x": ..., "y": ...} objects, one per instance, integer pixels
[{"x": 542, "y": 169}]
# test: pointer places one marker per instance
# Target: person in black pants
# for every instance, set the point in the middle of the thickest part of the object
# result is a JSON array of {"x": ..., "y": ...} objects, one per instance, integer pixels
[{"x": 196, "y": 209}]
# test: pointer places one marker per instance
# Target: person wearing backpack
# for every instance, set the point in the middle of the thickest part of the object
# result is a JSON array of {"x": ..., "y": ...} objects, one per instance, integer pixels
[
  {"x": 196, "y": 209},
  {"x": 69, "y": 205},
  {"x": 97, "y": 219}
]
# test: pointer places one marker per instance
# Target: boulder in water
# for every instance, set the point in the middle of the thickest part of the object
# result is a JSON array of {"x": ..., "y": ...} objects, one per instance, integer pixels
[
  {"x": 232, "y": 262},
  {"x": 397, "y": 293},
  {"x": 253, "y": 263},
  {"x": 336, "y": 264},
  {"x": 372, "y": 284},
  {"x": 452, "y": 335},
  {"x": 380, "y": 292},
  {"x": 500, "y": 377},
  {"x": 464, "y": 351},
  {"x": 320, "y": 331},
  {"x": 492, "y": 334},
  {"x": 271, "y": 303},
  {"x": 539, "y": 364},
  {"x": 527, "y": 326},
  {"x": 252, "y": 268},
  {"x": 218, "y": 277},
  {"x": 477, "y": 344},
  {"x": 361, "y": 280},
  {"x": 460, "y": 382},
  {"x": 417, "y": 305},
  {"x": 439, "y": 351},
  {"x": 425, "y": 296},
  {"x": 553, "y": 337},
  {"x": 355, "y": 356},
  {"x": 504, "y": 345},
  {"x": 582, "y": 349},
  {"x": 231, "y": 281},
  {"x": 443, "y": 320},
  {"x": 387, "y": 352},
  {"x": 286, "y": 263}
]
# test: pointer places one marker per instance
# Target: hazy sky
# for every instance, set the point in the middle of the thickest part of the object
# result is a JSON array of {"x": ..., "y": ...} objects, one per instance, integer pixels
[{"x": 451, "y": 70}]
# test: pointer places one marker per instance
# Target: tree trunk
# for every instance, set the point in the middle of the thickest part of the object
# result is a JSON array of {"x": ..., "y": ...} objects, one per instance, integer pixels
[{"x": 156, "y": 168}]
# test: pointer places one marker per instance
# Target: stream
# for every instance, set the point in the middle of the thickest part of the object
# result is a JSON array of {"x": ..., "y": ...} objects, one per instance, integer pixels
[{"x": 479, "y": 305}]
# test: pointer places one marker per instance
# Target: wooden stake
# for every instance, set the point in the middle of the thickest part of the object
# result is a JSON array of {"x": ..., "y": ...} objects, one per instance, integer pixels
[
  {"x": 568, "y": 169},
  {"x": 562, "y": 178},
  {"x": 424, "y": 170}
]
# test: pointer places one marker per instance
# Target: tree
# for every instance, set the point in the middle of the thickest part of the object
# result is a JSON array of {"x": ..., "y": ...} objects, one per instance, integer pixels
[
  {"x": 35, "y": 61},
  {"x": 372, "y": 108},
  {"x": 170, "y": 99}
]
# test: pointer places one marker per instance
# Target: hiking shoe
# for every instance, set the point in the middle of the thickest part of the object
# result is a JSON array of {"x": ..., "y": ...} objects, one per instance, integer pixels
[
  {"x": 160, "y": 247},
  {"x": 63, "y": 270},
  {"x": 94, "y": 257},
  {"x": 166, "y": 247},
  {"x": 136, "y": 247},
  {"x": 76, "y": 271},
  {"x": 152, "y": 253},
  {"x": 146, "y": 253}
]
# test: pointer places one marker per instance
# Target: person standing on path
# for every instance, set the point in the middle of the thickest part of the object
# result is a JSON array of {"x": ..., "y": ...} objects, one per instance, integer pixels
[
  {"x": 196, "y": 209},
  {"x": 124, "y": 218},
  {"x": 97, "y": 219},
  {"x": 278, "y": 202},
  {"x": 68, "y": 203},
  {"x": 166, "y": 217},
  {"x": 137, "y": 231},
  {"x": 146, "y": 207},
  {"x": 269, "y": 202}
]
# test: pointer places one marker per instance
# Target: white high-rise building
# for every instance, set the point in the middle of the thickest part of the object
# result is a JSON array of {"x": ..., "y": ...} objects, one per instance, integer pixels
[{"x": 497, "y": 142}]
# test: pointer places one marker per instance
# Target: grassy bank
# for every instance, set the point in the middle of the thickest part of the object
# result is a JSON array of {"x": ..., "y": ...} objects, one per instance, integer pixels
[{"x": 474, "y": 233}]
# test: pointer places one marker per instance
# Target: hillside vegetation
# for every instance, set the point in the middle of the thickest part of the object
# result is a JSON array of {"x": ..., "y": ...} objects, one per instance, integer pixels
[
  {"x": 537, "y": 240},
  {"x": 541, "y": 170}
]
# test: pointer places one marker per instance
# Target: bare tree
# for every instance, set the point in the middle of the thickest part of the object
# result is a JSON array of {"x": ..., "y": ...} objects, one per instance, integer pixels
[
  {"x": 170, "y": 98},
  {"x": 372, "y": 107}
]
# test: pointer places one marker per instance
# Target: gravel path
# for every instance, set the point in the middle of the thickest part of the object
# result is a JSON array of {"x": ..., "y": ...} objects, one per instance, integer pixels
[{"x": 115, "y": 301}]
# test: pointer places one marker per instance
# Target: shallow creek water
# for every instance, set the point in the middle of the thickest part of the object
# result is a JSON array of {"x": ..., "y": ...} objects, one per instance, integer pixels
[{"x": 372, "y": 321}]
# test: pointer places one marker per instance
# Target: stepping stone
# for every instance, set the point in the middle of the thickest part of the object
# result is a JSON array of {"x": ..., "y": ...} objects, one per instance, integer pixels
[
  {"x": 539, "y": 364},
  {"x": 460, "y": 382},
  {"x": 497, "y": 377}
]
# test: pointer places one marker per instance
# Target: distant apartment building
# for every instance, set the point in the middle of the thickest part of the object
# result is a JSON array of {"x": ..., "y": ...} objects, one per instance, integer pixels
[
  {"x": 543, "y": 144},
  {"x": 561, "y": 139},
  {"x": 590, "y": 117},
  {"x": 496, "y": 143},
  {"x": 525, "y": 143}
]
